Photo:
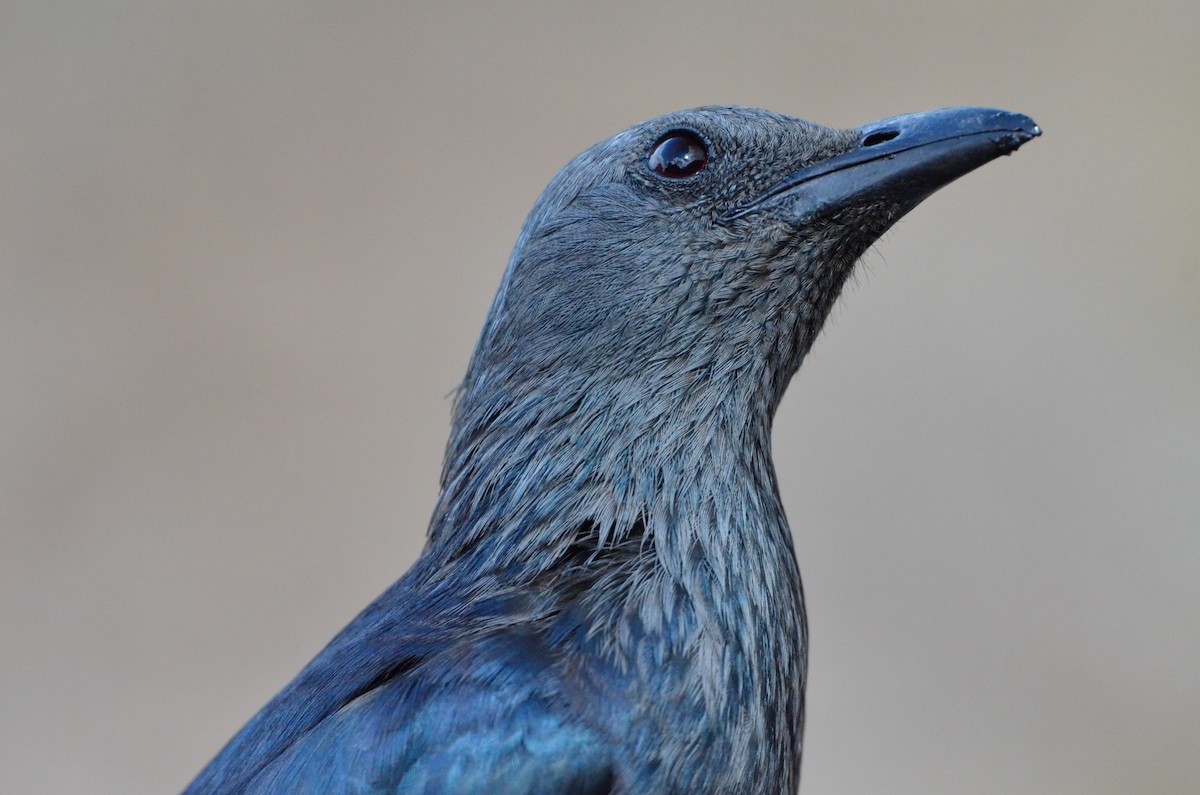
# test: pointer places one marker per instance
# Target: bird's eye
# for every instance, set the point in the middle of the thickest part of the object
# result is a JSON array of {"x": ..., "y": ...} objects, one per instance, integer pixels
[{"x": 679, "y": 154}]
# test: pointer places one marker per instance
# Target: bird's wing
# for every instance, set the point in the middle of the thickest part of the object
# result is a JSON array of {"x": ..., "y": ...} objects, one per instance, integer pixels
[
  {"x": 484, "y": 717},
  {"x": 401, "y": 702},
  {"x": 507, "y": 742}
]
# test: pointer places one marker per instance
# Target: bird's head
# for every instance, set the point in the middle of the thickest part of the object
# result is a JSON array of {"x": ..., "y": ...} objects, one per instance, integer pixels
[
  {"x": 711, "y": 243},
  {"x": 661, "y": 294}
]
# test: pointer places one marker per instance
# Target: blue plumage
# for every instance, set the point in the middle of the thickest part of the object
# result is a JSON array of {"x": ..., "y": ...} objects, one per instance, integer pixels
[{"x": 609, "y": 601}]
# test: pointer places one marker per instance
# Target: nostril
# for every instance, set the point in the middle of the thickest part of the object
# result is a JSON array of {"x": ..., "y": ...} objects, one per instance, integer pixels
[{"x": 876, "y": 138}]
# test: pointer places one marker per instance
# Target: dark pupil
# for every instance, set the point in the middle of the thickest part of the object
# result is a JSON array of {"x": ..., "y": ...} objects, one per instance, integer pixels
[{"x": 679, "y": 155}]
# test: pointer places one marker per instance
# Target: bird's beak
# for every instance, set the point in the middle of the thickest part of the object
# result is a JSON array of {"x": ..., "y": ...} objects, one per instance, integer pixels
[{"x": 899, "y": 161}]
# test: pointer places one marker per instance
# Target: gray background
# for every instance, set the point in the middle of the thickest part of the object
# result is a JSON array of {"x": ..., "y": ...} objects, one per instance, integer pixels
[{"x": 245, "y": 250}]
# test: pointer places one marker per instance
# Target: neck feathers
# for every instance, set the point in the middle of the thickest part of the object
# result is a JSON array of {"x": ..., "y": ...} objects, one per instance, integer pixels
[{"x": 648, "y": 505}]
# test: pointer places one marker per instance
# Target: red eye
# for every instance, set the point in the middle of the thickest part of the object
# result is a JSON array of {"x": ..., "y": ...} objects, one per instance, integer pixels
[{"x": 679, "y": 154}]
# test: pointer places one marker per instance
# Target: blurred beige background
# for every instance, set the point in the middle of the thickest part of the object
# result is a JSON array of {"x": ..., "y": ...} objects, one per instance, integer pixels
[{"x": 245, "y": 250}]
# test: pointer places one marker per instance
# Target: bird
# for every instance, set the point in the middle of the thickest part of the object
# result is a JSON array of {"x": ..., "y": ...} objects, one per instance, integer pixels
[{"x": 608, "y": 600}]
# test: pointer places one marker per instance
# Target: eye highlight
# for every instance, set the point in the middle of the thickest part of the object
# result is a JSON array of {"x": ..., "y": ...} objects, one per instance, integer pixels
[{"x": 679, "y": 154}]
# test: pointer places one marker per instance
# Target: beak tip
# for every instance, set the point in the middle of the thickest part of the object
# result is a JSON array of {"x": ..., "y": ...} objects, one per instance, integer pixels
[
  {"x": 1027, "y": 127},
  {"x": 1030, "y": 127},
  {"x": 1013, "y": 141}
]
